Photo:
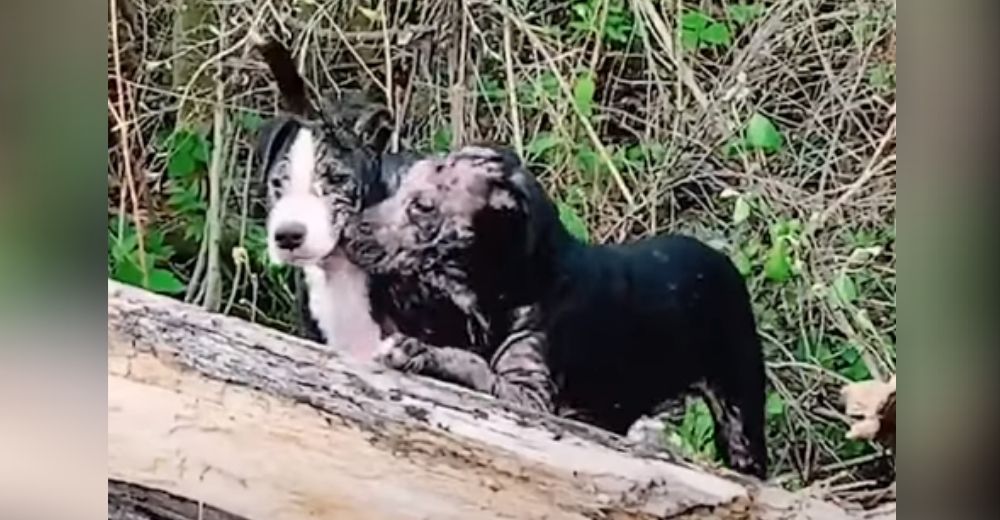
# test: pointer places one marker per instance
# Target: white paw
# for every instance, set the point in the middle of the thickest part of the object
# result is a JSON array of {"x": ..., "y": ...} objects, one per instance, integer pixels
[{"x": 386, "y": 345}]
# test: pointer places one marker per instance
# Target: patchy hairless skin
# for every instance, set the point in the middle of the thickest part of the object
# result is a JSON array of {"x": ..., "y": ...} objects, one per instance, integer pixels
[
  {"x": 423, "y": 246},
  {"x": 486, "y": 288}
]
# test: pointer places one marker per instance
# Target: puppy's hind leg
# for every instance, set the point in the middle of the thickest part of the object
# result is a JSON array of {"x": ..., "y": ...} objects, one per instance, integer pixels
[{"x": 735, "y": 395}]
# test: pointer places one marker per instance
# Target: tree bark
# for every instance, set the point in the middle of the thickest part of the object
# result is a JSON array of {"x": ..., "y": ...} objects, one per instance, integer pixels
[
  {"x": 252, "y": 423},
  {"x": 134, "y": 502}
]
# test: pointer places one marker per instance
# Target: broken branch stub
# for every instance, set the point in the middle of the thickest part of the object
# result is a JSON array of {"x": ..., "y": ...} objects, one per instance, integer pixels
[{"x": 873, "y": 406}]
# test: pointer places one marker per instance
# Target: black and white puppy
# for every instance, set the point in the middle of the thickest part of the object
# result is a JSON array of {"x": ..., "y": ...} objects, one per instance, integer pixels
[
  {"x": 321, "y": 166},
  {"x": 618, "y": 329}
]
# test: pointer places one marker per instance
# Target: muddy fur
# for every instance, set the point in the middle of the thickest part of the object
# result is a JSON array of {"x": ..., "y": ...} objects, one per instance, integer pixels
[
  {"x": 489, "y": 290},
  {"x": 456, "y": 311}
]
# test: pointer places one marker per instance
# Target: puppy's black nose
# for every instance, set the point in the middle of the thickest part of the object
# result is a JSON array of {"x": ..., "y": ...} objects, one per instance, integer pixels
[{"x": 290, "y": 236}]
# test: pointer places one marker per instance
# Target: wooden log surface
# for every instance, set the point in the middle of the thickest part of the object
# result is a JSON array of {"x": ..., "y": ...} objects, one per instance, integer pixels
[
  {"x": 256, "y": 424},
  {"x": 128, "y": 501}
]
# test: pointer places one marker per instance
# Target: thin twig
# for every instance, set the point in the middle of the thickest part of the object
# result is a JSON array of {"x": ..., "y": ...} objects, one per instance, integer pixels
[
  {"x": 456, "y": 61},
  {"x": 568, "y": 92},
  {"x": 390, "y": 88},
  {"x": 866, "y": 174},
  {"x": 119, "y": 116},
  {"x": 213, "y": 216},
  {"x": 508, "y": 60}
]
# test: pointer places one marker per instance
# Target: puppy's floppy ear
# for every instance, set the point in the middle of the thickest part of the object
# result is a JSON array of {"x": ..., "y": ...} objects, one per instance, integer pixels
[
  {"x": 523, "y": 188},
  {"x": 273, "y": 140},
  {"x": 519, "y": 182},
  {"x": 290, "y": 83},
  {"x": 370, "y": 121},
  {"x": 375, "y": 126}
]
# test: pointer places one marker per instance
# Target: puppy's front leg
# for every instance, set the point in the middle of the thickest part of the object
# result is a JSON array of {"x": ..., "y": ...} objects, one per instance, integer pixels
[
  {"x": 517, "y": 373},
  {"x": 520, "y": 372},
  {"x": 410, "y": 354}
]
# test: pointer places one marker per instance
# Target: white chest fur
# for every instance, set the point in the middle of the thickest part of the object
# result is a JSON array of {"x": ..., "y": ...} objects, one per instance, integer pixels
[{"x": 338, "y": 301}]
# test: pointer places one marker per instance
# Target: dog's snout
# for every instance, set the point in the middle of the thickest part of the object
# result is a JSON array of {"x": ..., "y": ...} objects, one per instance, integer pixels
[{"x": 290, "y": 236}]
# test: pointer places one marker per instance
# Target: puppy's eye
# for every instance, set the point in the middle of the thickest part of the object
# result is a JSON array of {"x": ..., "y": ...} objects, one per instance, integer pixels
[
  {"x": 421, "y": 205},
  {"x": 340, "y": 178}
]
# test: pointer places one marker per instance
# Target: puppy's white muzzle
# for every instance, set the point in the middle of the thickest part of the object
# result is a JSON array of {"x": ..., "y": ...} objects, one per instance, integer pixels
[{"x": 300, "y": 231}]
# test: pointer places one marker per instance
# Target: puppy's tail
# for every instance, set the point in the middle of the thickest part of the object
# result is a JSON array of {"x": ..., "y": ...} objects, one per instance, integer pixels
[{"x": 290, "y": 83}]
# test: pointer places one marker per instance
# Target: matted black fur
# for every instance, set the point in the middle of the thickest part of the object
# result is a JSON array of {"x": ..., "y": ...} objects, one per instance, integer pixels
[{"x": 492, "y": 292}]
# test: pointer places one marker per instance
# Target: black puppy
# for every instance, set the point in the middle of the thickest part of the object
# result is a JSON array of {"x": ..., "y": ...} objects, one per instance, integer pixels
[
  {"x": 455, "y": 310},
  {"x": 618, "y": 329}
]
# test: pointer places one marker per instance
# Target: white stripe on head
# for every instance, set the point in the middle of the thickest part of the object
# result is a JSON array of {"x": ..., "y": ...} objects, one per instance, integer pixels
[
  {"x": 301, "y": 162},
  {"x": 301, "y": 204}
]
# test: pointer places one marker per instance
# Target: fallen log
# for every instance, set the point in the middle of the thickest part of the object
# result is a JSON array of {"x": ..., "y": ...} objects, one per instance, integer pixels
[
  {"x": 135, "y": 502},
  {"x": 246, "y": 422}
]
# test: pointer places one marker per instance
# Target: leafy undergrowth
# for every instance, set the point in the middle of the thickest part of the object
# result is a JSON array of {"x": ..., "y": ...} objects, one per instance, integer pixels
[{"x": 765, "y": 128}]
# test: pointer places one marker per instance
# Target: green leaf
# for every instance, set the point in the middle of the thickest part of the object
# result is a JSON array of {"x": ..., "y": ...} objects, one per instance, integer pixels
[
  {"x": 181, "y": 164},
  {"x": 127, "y": 271},
  {"x": 882, "y": 76},
  {"x": 761, "y": 134},
  {"x": 794, "y": 226},
  {"x": 697, "y": 430},
  {"x": 250, "y": 121},
  {"x": 547, "y": 86},
  {"x": 163, "y": 281},
  {"x": 635, "y": 153},
  {"x": 695, "y": 21},
  {"x": 124, "y": 246},
  {"x": 542, "y": 142},
  {"x": 616, "y": 33},
  {"x": 743, "y": 14},
  {"x": 734, "y": 148},
  {"x": 572, "y": 221},
  {"x": 186, "y": 199},
  {"x": 778, "y": 266},
  {"x": 492, "y": 90},
  {"x": 703, "y": 423},
  {"x": 588, "y": 160},
  {"x": 715, "y": 34},
  {"x": 689, "y": 40},
  {"x": 855, "y": 368},
  {"x": 201, "y": 149},
  {"x": 583, "y": 93},
  {"x": 775, "y": 405},
  {"x": 657, "y": 151},
  {"x": 441, "y": 141},
  {"x": 741, "y": 211},
  {"x": 845, "y": 289},
  {"x": 620, "y": 158},
  {"x": 186, "y": 150}
]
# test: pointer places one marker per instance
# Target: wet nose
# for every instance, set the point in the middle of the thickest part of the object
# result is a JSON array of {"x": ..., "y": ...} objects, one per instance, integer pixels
[{"x": 290, "y": 236}]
